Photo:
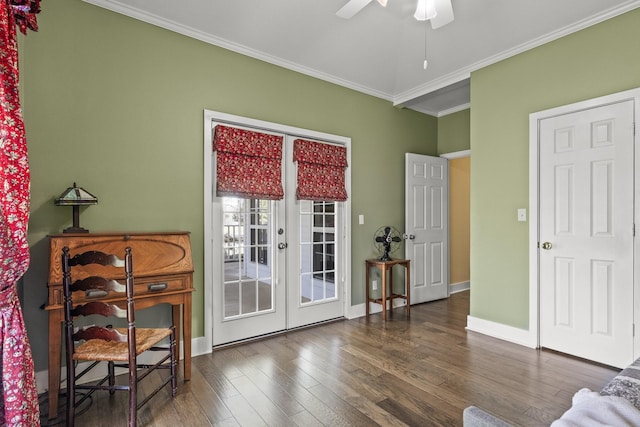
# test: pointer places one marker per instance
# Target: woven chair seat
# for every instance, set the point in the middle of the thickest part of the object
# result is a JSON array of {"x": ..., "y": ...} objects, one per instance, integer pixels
[{"x": 102, "y": 350}]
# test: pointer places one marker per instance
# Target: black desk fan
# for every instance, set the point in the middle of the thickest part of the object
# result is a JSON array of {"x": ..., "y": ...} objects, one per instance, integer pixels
[{"x": 386, "y": 240}]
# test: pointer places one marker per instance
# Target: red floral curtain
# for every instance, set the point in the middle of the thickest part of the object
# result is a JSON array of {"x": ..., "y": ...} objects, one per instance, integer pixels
[
  {"x": 19, "y": 402},
  {"x": 248, "y": 163},
  {"x": 321, "y": 170}
]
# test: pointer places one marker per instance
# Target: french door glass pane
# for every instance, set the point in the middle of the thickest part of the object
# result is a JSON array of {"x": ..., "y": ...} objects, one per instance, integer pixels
[
  {"x": 247, "y": 287},
  {"x": 317, "y": 251}
]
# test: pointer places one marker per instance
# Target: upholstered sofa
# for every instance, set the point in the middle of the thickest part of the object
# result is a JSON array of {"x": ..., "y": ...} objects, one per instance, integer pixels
[{"x": 617, "y": 404}]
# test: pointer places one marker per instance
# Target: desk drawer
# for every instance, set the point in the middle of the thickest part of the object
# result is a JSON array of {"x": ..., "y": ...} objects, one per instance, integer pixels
[
  {"x": 152, "y": 285},
  {"x": 142, "y": 287}
]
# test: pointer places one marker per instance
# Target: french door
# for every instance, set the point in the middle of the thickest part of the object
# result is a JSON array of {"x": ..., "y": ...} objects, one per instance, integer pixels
[
  {"x": 274, "y": 264},
  {"x": 314, "y": 261},
  {"x": 250, "y": 294}
]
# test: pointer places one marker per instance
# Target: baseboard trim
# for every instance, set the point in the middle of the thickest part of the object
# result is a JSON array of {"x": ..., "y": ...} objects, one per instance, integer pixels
[
  {"x": 454, "y": 288},
  {"x": 504, "y": 332},
  {"x": 359, "y": 310}
]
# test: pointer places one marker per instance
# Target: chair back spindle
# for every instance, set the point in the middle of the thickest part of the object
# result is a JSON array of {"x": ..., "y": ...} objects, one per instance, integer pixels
[{"x": 89, "y": 295}]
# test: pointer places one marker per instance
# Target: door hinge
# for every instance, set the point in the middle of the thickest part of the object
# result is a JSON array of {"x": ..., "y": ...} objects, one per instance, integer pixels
[
  {"x": 633, "y": 330},
  {"x": 633, "y": 229}
]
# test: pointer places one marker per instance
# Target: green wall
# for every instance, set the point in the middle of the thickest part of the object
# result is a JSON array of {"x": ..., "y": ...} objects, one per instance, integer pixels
[
  {"x": 597, "y": 61},
  {"x": 117, "y": 106},
  {"x": 454, "y": 133}
]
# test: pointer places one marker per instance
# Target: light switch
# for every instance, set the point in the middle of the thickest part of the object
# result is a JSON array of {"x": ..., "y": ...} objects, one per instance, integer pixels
[
  {"x": 360, "y": 219},
  {"x": 522, "y": 214}
]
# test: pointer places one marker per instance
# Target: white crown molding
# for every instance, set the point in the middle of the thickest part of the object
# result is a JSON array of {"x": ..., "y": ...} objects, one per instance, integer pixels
[
  {"x": 465, "y": 73},
  {"x": 397, "y": 99},
  {"x": 456, "y": 109},
  {"x": 456, "y": 154},
  {"x": 442, "y": 113},
  {"x": 431, "y": 86},
  {"x": 167, "y": 24},
  {"x": 419, "y": 110}
]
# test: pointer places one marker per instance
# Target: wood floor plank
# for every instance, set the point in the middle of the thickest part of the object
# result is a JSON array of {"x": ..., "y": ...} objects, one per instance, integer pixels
[
  {"x": 421, "y": 370},
  {"x": 279, "y": 395},
  {"x": 261, "y": 403}
]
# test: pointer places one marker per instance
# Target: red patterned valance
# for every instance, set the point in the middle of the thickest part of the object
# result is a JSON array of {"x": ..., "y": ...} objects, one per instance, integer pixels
[
  {"x": 24, "y": 13},
  {"x": 321, "y": 171},
  {"x": 248, "y": 163}
]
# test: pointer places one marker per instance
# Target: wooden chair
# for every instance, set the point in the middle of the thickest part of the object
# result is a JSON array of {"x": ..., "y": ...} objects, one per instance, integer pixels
[{"x": 119, "y": 347}]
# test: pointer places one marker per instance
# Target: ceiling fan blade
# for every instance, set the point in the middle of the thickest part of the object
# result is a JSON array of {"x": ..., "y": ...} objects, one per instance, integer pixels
[
  {"x": 352, "y": 7},
  {"x": 445, "y": 14}
]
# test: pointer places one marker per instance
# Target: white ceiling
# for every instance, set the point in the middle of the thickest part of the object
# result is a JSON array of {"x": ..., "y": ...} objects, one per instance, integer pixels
[{"x": 380, "y": 51}]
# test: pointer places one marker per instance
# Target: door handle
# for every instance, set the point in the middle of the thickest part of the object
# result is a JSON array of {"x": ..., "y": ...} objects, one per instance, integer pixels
[
  {"x": 282, "y": 245},
  {"x": 406, "y": 236},
  {"x": 547, "y": 246}
]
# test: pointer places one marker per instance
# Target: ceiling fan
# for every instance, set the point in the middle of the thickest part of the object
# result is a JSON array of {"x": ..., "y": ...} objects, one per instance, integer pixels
[{"x": 440, "y": 12}]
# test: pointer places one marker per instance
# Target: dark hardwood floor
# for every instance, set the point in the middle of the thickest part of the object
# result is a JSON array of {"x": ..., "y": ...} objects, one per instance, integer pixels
[{"x": 421, "y": 371}]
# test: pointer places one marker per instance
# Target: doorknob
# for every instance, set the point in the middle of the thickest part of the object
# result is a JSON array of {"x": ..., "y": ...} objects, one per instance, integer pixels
[
  {"x": 282, "y": 245},
  {"x": 547, "y": 245},
  {"x": 406, "y": 236}
]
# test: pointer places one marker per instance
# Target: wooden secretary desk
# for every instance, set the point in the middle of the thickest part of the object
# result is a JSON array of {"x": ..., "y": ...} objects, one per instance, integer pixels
[{"x": 162, "y": 270}]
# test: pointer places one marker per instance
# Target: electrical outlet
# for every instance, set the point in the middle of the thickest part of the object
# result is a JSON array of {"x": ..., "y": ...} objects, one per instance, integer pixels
[{"x": 374, "y": 285}]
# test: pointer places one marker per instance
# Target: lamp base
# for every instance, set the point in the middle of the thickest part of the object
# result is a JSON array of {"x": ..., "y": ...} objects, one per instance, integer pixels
[{"x": 75, "y": 230}]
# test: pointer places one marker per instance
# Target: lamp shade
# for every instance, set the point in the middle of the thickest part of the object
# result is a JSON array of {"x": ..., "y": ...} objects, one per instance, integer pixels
[{"x": 76, "y": 196}]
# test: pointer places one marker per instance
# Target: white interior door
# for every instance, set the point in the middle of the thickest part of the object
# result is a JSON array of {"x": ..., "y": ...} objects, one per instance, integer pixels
[
  {"x": 427, "y": 224},
  {"x": 586, "y": 233}
]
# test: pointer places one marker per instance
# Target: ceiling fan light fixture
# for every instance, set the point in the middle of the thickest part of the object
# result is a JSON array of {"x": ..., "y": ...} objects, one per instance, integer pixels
[
  {"x": 383, "y": 3},
  {"x": 426, "y": 10}
]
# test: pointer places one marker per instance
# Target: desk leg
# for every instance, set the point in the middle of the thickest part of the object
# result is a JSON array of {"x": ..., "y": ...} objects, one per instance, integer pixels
[
  {"x": 186, "y": 333},
  {"x": 384, "y": 292},
  {"x": 55, "y": 349},
  {"x": 186, "y": 344}
]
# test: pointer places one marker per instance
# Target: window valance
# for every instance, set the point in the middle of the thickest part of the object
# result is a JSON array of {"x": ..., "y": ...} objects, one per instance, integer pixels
[
  {"x": 248, "y": 163},
  {"x": 321, "y": 171}
]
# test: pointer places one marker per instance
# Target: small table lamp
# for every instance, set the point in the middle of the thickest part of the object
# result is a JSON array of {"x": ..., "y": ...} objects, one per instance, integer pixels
[{"x": 76, "y": 196}]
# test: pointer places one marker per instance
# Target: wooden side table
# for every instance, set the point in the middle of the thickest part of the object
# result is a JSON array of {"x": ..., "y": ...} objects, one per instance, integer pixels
[{"x": 385, "y": 267}]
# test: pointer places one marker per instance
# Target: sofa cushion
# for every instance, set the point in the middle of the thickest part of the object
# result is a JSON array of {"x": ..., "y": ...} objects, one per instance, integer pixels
[
  {"x": 590, "y": 408},
  {"x": 626, "y": 384},
  {"x": 473, "y": 416}
]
